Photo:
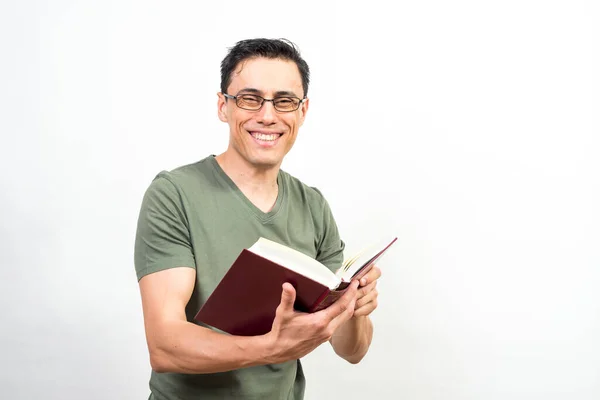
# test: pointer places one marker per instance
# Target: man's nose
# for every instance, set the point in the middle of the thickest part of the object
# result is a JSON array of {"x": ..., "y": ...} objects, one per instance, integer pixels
[{"x": 267, "y": 113}]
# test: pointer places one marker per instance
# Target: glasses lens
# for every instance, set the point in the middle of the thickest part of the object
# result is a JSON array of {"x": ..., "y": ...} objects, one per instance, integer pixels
[
  {"x": 286, "y": 103},
  {"x": 249, "y": 101}
]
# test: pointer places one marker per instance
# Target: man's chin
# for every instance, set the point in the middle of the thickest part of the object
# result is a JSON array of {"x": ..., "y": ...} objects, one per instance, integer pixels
[
  {"x": 265, "y": 165},
  {"x": 265, "y": 162}
]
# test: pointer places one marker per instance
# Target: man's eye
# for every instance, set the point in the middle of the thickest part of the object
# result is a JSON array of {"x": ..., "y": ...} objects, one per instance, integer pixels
[
  {"x": 285, "y": 102},
  {"x": 250, "y": 99}
]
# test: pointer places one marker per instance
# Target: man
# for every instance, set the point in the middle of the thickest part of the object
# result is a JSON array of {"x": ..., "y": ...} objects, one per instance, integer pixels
[{"x": 195, "y": 220}]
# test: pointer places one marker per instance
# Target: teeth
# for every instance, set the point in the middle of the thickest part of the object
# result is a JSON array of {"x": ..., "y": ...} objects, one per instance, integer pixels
[{"x": 265, "y": 137}]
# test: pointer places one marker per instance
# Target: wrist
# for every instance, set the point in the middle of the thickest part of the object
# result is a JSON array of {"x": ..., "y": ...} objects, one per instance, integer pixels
[
  {"x": 359, "y": 321},
  {"x": 266, "y": 346}
]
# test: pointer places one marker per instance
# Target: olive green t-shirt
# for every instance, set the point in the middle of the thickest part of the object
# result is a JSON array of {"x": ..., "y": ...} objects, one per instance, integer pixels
[{"x": 195, "y": 216}]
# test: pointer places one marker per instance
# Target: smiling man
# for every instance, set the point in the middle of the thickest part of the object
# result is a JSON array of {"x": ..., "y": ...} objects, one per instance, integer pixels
[{"x": 195, "y": 220}]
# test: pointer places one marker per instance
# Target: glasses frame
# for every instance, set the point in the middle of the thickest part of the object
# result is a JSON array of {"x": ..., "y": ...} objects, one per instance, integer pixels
[{"x": 235, "y": 98}]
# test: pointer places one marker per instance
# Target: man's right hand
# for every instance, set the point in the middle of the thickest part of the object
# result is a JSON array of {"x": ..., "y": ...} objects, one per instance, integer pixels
[{"x": 295, "y": 334}]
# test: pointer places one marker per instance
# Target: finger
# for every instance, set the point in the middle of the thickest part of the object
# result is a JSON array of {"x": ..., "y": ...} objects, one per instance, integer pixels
[
  {"x": 365, "y": 310},
  {"x": 288, "y": 297},
  {"x": 371, "y": 276},
  {"x": 343, "y": 303},
  {"x": 369, "y": 297},
  {"x": 365, "y": 290},
  {"x": 343, "y": 317}
]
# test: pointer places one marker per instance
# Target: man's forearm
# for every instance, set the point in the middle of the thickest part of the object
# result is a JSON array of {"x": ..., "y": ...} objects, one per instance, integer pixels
[
  {"x": 187, "y": 348},
  {"x": 351, "y": 340}
]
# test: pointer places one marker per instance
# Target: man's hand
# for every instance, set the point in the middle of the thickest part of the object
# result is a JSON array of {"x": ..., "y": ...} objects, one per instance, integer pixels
[
  {"x": 366, "y": 301},
  {"x": 295, "y": 334},
  {"x": 352, "y": 340}
]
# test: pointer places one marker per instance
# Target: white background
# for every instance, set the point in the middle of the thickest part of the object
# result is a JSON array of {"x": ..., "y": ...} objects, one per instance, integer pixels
[{"x": 467, "y": 128}]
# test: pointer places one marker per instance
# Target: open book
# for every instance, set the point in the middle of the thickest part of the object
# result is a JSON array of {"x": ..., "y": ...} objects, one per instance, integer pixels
[{"x": 245, "y": 301}]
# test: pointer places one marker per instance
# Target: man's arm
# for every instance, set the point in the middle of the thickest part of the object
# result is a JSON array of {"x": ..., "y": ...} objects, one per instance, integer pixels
[
  {"x": 352, "y": 339},
  {"x": 176, "y": 345}
]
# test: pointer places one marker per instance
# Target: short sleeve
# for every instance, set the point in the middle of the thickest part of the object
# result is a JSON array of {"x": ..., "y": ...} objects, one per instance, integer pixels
[
  {"x": 331, "y": 247},
  {"x": 162, "y": 238}
]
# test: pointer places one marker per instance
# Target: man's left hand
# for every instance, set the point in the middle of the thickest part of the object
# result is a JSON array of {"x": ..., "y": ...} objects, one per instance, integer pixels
[{"x": 366, "y": 301}]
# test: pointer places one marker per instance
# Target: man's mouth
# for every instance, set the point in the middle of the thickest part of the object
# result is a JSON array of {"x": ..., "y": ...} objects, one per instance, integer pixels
[{"x": 265, "y": 137}]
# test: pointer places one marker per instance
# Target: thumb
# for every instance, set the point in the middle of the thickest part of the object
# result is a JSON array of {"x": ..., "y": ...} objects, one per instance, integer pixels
[{"x": 288, "y": 297}]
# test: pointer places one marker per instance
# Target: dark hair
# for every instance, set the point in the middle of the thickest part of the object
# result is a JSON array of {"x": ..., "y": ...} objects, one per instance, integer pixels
[{"x": 268, "y": 48}]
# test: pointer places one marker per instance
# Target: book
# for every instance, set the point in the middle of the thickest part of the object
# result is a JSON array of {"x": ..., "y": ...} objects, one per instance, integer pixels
[{"x": 245, "y": 300}]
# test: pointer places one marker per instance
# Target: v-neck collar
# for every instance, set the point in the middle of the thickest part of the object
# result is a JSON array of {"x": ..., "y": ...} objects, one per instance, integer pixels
[{"x": 257, "y": 212}]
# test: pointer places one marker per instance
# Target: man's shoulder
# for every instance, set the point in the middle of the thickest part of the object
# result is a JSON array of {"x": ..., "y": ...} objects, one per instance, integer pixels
[
  {"x": 188, "y": 174},
  {"x": 303, "y": 191}
]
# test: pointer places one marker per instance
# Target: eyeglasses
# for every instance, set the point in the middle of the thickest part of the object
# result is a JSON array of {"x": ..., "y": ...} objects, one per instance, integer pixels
[{"x": 253, "y": 102}]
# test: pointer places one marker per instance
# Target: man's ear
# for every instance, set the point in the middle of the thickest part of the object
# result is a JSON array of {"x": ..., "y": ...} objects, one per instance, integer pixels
[
  {"x": 222, "y": 107},
  {"x": 303, "y": 110}
]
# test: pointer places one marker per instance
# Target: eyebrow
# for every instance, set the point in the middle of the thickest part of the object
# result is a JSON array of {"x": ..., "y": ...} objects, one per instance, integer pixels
[{"x": 277, "y": 94}]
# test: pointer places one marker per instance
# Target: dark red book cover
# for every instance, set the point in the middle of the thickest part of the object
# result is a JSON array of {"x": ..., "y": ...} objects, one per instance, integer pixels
[{"x": 245, "y": 301}]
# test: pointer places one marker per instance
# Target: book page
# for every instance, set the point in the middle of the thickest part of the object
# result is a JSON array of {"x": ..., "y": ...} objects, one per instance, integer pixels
[
  {"x": 296, "y": 261},
  {"x": 366, "y": 256}
]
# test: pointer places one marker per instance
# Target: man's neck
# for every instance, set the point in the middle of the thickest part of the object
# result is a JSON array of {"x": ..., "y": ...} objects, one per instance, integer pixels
[
  {"x": 245, "y": 174},
  {"x": 258, "y": 185}
]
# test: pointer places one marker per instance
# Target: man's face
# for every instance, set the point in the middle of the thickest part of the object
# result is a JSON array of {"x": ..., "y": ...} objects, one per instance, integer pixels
[{"x": 262, "y": 138}]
